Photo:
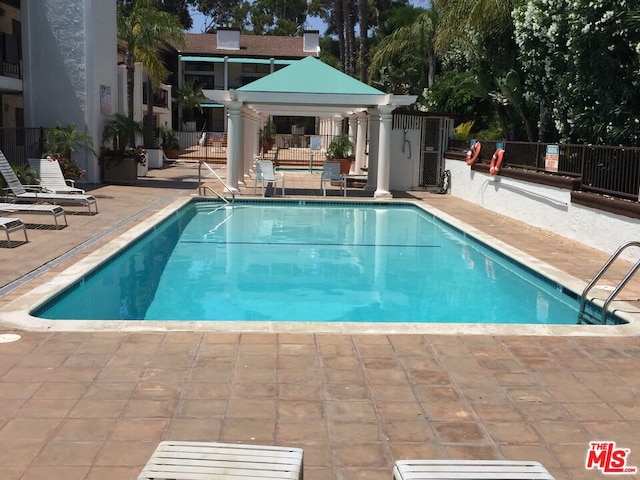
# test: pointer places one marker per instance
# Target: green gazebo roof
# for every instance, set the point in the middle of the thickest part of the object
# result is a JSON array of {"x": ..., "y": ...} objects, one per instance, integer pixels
[{"x": 312, "y": 76}]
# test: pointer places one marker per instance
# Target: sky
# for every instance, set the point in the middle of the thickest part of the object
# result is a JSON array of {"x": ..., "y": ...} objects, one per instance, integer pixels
[{"x": 314, "y": 22}]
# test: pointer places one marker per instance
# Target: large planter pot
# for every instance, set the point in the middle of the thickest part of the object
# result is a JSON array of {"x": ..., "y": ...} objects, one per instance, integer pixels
[
  {"x": 154, "y": 158},
  {"x": 171, "y": 153},
  {"x": 143, "y": 169},
  {"x": 345, "y": 165},
  {"x": 120, "y": 170}
]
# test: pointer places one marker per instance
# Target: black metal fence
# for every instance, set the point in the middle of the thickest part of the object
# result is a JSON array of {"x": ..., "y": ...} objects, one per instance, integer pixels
[
  {"x": 19, "y": 144},
  {"x": 601, "y": 169}
]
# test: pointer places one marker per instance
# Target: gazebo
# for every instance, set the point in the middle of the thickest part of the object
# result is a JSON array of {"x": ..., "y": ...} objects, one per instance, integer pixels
[{"x": 310, "y": 87}]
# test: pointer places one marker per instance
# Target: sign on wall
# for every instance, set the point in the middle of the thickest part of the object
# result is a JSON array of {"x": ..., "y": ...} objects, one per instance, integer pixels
[
  {"x": 105, "y": 99},
  {"x": 551, "y": 159}
]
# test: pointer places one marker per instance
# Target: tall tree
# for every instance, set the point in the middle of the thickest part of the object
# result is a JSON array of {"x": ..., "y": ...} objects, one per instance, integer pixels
[
  {"x": 363, "y": 17},
  {"x": 223, "y": 13},
  {"x": 180, "y": 8},
  {"x": 485, "y": 31},
  {"x": 143, "y": 30},
  {"x": 348, "y": 18},
  {"x": 410, "y": 45},
  {"x": 278, "y": 17}
]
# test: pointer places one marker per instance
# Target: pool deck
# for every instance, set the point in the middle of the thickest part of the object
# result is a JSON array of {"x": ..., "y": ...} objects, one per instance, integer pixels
[{"x": 94, "y": 405}]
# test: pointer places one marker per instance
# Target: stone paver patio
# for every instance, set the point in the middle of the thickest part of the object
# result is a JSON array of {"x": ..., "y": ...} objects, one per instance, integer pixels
[{"x": 93, "y": 406}]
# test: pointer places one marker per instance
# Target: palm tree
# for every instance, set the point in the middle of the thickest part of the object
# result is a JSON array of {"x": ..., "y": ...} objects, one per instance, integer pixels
[
  {"x": 144, "y": 30},
  {"x": 191, "y": 98},
  {"x": 63, "y": 140},
  {"x": 403, "y": 43}
]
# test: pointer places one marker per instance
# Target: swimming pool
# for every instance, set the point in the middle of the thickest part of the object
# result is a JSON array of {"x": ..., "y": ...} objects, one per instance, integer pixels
[{"x": 309, "y": 261}]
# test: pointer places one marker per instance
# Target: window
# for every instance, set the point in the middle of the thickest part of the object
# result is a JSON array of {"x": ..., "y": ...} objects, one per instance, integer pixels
[
  {"x": 207, "y": 81},
  {"x": 199, "y": 66}
]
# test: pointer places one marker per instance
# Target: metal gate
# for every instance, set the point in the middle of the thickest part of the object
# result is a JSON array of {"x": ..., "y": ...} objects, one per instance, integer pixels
[{"x": 431, "y": 148}]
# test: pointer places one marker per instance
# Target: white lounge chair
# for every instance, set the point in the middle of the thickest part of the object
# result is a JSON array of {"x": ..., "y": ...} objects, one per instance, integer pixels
[
  {"x": 331, "y": 173},
  {"x": 20, "y": 193},
  {"x": 216, "y": 461},
  {"x": 35, "y": 209},
  {"x": 10, "y": 225},
  {"x": 51, "y": 177},
  {"x": 469, "y": 470},
  {"x": 265, "y": 174}
]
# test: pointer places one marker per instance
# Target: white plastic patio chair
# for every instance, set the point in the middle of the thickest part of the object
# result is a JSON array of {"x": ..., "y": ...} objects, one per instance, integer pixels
[
  {"x": 51, "y": 177},
  {"x": 331, "y": 173},
  {"x": 265, "y": 174},
  {"x": 469, "y": 470}
]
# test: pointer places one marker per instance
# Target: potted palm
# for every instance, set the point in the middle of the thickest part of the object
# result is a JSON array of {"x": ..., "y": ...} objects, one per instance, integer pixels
[
  {"x": 120, "y": 160},
  {"x": 169, "y": 142},
  {"x": 340, "y": 150},
  {"x": 59, "y": 143}
]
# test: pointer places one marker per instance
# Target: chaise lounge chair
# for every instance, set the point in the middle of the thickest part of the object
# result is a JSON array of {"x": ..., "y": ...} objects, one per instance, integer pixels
[
  {"x": 331, "y": 173},
  {"x": 218, "y": 461},
  {"x": 51, "y": 177},
  {"x": 27, "y": 208},
  {"x": 10, "y": 225},
  {"x": 469, "y": 470},
  {"x": 19, "y": 192}
]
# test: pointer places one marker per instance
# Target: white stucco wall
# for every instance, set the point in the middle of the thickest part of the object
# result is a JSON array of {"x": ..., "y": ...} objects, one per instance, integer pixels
[
  {"x": 69, "y": 53},
  {"x": 405, "y": 165},
  {"x": 545, "y": 207}
]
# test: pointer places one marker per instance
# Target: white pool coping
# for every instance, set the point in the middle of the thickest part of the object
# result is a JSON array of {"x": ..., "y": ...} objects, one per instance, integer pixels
[{"x": 16, "y": 313}]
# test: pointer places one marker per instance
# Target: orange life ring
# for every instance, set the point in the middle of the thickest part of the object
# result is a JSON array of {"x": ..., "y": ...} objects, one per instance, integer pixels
[
  {"x": 473, "y": 153},
  {"x": 496, "y": 161}
]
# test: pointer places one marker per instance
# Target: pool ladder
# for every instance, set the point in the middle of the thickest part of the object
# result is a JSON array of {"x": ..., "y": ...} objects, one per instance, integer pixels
[
  {"x": 202, "y": 189},
  {"x": 587, "y": 317}
]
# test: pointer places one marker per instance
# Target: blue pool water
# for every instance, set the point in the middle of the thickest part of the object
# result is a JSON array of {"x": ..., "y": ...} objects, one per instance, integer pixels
[{"x": 308, "y": 261}]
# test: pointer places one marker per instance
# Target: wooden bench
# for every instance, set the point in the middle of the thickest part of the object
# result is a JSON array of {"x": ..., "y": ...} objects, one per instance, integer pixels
[{"x": 209, "y": 461}]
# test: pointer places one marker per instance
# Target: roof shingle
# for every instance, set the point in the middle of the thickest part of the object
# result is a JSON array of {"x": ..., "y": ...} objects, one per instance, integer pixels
[{"x": 260, "y": 46}]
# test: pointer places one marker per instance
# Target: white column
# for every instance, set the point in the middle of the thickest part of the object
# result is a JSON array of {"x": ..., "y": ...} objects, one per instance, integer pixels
[
  {"x": 234, "y": 132},
  {"x": 384, "y": 152},
  {"x": 353, "y": 123},
  {"x": 337, "y": 126},
  {"x": 251, "y": 141},
  {"x": 361, "y": 143},
  {"x": 242, "y": 145},
  {"x": 374, "y": 136}
]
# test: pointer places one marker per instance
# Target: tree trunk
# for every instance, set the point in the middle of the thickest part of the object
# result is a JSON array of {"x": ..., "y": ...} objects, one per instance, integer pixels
[
  {"x": 363, "y": 9},
  {"x": 339, "y": 16},
  {"x": 431, "y": 76},
  {"x": 131, "y": 70},
  {"x": 349, "y": 37}
]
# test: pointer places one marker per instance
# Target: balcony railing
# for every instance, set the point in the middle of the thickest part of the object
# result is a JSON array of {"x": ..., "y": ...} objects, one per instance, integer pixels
[{"x": 160, "y": 98}]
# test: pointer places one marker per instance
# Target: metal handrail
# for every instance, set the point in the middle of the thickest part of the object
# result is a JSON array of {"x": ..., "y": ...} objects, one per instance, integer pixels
[
  {"x": 621, "y": 285},
  {"x": 233, "y": 195}
]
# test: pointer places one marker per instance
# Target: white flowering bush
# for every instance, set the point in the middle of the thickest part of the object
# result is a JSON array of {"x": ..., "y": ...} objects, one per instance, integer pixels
[{"x": 582, "y": 59}]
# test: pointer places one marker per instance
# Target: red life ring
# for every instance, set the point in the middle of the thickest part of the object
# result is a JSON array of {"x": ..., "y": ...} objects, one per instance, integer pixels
[
  {"x": 473, "y": 153},
  {"x": 496, "y": 161}
]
